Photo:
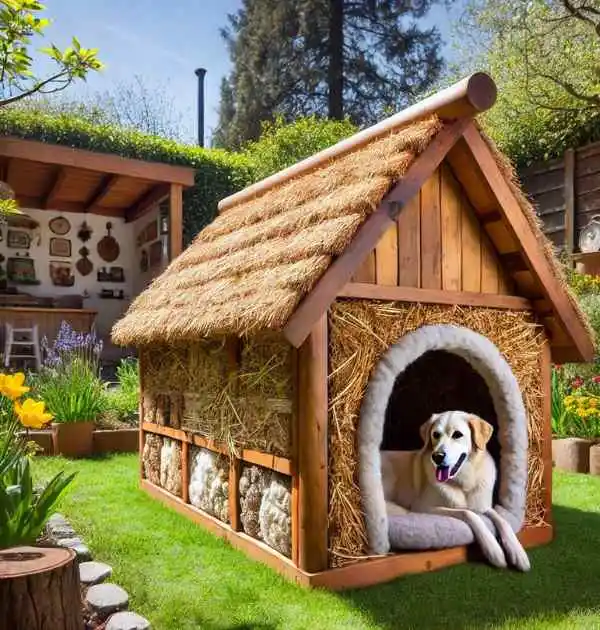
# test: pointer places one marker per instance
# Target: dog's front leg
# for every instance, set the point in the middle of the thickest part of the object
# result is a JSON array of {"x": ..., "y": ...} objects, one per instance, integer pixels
[
  {"x": 487, "y": 542},
  {"x": 517, "y": 556}
]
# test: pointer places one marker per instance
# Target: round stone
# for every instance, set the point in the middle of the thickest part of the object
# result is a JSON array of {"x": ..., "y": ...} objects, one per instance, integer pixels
[
  {"x": 91, "y": 573},
  {"x": 106, "y": 599},
  {"x": 127, "y": 621}
]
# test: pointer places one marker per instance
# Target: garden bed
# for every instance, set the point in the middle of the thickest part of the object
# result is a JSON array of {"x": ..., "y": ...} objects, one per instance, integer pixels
[{"x": 105, "y": 441}]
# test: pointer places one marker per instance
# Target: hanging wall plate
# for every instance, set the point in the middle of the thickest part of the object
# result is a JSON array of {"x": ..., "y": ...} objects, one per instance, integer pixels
[
  {"x": 589, "y": 237},
  {"x": 84, "y": 265},
  {"x": 59, "y": 225}
]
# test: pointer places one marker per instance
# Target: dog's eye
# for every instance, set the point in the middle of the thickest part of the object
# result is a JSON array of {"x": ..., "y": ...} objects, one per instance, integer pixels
[
  {"x": 457, "y": 435},
  {"x": 436, "y": 435}
]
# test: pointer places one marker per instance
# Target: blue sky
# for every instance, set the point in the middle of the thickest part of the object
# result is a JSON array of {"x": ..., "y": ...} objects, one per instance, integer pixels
[{"x": 163, "y": 42}]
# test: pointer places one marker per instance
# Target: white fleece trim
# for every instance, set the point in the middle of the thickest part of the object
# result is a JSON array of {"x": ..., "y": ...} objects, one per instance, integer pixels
[{"x": 487, "y": 360}]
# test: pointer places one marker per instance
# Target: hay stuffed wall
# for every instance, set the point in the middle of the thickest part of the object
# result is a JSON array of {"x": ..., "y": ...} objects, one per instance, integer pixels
[
  {"x": 360, "y": 331},
  {"x": 239, "y": 395}
]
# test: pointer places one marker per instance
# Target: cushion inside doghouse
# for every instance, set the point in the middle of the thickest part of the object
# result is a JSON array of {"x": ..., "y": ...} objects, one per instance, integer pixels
[{"x": 438, "y": 368}]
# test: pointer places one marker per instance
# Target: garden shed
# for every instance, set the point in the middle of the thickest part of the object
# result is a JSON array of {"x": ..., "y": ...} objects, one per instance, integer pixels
[{"x": 408, "y": 251}]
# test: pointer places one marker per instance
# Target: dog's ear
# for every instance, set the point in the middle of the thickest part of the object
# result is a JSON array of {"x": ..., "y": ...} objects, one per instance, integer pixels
[
  {"x": 481, "y": 431},
  {"x": 425, "y": 431}
]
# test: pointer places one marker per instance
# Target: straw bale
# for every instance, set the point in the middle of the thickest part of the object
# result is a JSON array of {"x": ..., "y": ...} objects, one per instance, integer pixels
[
  {"x": 151, "y": 458},
  {"x": 170, "y": 466},
  {"x": 265, "y": 507},
  {"x": 209, "y": 482},
  {"x": 241, "y": 268},
  {"x": 246, "y": 405},
  {"x": 360, "y": 332}
]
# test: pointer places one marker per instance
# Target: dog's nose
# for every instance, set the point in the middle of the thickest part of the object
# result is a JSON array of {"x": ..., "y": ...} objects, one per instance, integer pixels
[{"x": 438, "y": 458}]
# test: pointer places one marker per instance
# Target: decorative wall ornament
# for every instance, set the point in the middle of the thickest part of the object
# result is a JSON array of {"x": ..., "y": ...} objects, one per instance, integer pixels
[
  {"x": 155, "y": 256},
  {"x": 59, "y": 225},
  {"x": 21, "y": 270},
  {"x": 60, "y": 247},
  {"x": 84, "y": 265},
  {"x": 85, "y": 232},
  {"x": 18, "y": 239},
  {"x": 144, "y": 260},
  {"x": 61, "y": 274},
  {"x": 108, "y": 248}
]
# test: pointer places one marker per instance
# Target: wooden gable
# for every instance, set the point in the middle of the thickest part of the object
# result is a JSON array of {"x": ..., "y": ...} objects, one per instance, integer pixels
[{"x": 437, "y": 243}]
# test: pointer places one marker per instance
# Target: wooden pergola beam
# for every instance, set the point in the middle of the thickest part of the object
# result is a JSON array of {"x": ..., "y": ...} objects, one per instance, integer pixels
[
  {"x": 175, "y": 221},
  {"x": 102, "y": 191},
  {"x": 50, "y": 198},
  {"x": 35, "y": 151},
  {"x": 150, "y": 198}
]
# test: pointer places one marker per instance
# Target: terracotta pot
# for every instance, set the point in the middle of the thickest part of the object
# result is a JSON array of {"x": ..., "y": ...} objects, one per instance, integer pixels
[
  {"x": 572, "y": 454},
  {"x": 595, "y": 459},
  {"x": 73, "y": 439}
]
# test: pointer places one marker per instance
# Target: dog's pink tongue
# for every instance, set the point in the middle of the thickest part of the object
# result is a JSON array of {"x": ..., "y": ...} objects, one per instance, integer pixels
[{"x": 442, "y": 473}]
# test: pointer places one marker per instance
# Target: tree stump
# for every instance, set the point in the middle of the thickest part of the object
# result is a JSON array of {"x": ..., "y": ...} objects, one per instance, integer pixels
[{"x": 39, "y": 589}]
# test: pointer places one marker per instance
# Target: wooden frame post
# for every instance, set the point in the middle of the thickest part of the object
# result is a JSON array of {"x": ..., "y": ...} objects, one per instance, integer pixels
[
  {"x": 312, "y": 450},
  {"x": 546, "y": 365},
  {"x": 175, "y": 220}
]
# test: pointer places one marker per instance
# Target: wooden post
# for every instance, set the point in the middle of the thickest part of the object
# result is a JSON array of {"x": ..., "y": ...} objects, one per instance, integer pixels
[
  {"x": 185, "y": 472},
  {"x": 546, "y": 365},
  {"x": 141, "y": 368},
  {"x": 569, "y": 194},
  {"x": 39, "y": 588},
  {"x": 175, "y": 221},
  {"x": 312, "y": 449},
  {"x": 234, "y": 504}
]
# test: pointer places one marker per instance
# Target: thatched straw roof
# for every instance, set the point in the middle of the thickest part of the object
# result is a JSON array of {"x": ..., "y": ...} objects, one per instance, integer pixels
[{"x": 249, "y": 268}]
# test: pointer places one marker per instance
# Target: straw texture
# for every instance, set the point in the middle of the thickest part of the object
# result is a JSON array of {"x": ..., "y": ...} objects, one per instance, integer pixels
[
  {"x": 360, "y": 332},
  {"x": 249, "y": 268}
]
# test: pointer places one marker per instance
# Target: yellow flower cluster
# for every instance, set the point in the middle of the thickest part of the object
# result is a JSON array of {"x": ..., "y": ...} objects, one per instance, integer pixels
[
  {"x": 31, "y": 413},
  {"x": 583, "y": 406}
]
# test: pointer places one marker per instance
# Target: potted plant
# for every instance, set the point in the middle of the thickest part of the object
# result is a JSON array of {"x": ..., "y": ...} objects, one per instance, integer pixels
[
  {"x": 71, "y": 387},
  {"x": 575, "y": 420}
]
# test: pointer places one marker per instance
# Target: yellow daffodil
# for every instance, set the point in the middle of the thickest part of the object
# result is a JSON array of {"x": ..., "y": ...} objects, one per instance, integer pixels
[
  {"x": 32, "y": 414},
  {"x": 12, "y": 386}
]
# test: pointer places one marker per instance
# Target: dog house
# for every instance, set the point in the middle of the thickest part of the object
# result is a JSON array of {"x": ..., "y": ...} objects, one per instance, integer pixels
[{"x": 323, "y": 315}]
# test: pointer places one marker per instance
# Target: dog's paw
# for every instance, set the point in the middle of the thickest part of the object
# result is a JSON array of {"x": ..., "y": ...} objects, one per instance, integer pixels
[
  {"x": 494, "y": 554},
  {"x": 518, "y": 558}
]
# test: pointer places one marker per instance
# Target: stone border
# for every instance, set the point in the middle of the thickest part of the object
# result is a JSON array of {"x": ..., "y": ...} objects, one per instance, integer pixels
[{"x": 105, "y": 604}]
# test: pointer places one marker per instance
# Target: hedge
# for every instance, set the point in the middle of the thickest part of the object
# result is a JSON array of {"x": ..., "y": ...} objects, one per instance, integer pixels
[{"x": 218, "y": 173}]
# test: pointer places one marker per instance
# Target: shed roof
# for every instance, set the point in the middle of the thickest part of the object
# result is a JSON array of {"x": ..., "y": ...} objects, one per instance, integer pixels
[{"x": 280, "y": 251}]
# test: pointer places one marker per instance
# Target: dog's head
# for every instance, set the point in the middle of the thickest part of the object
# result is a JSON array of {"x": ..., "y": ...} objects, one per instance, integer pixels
[{"x": 450, "y": 438}]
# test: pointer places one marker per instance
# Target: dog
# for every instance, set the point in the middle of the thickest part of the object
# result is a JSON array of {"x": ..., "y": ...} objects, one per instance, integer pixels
[{"x": 453, "y": 475}]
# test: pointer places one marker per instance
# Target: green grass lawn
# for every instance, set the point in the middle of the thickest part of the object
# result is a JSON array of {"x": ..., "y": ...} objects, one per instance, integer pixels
[{"x": 181, "y": 577}]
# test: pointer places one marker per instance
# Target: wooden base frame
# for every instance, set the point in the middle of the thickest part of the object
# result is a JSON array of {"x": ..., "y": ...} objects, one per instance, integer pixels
[{"x": 361, "y": 574}]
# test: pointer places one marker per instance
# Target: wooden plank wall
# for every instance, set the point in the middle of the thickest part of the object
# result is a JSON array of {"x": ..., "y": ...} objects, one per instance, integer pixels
[
  {"x": 565, "y": 192},
  {"x": 436, "y": 243}
]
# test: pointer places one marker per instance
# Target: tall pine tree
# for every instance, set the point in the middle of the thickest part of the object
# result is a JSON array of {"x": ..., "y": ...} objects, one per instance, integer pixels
[{"x": 334, "y": 58}]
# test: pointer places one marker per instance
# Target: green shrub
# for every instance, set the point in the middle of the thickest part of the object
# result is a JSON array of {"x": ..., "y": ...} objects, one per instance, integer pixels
[
  {"x": 121, "y": 402},
  {"x": 282, "y": 144},
  {"x": 218, "y": 173}
]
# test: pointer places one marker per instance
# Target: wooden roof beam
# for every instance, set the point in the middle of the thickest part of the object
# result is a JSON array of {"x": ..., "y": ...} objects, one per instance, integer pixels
[
  {"x": 340, "y": 271},
  {"x": 473, "y": 94},
  {"x": 104, "y": 189},
  {"x": 100, "y": 162},
  {"x": 155, "y": 195},
  {"x": 532, "y": 250},
  {"x": 51, "y": 197}
]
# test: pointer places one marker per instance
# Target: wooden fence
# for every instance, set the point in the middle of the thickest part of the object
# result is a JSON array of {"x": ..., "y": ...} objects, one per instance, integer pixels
[{"x": 566, "y": 193}]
